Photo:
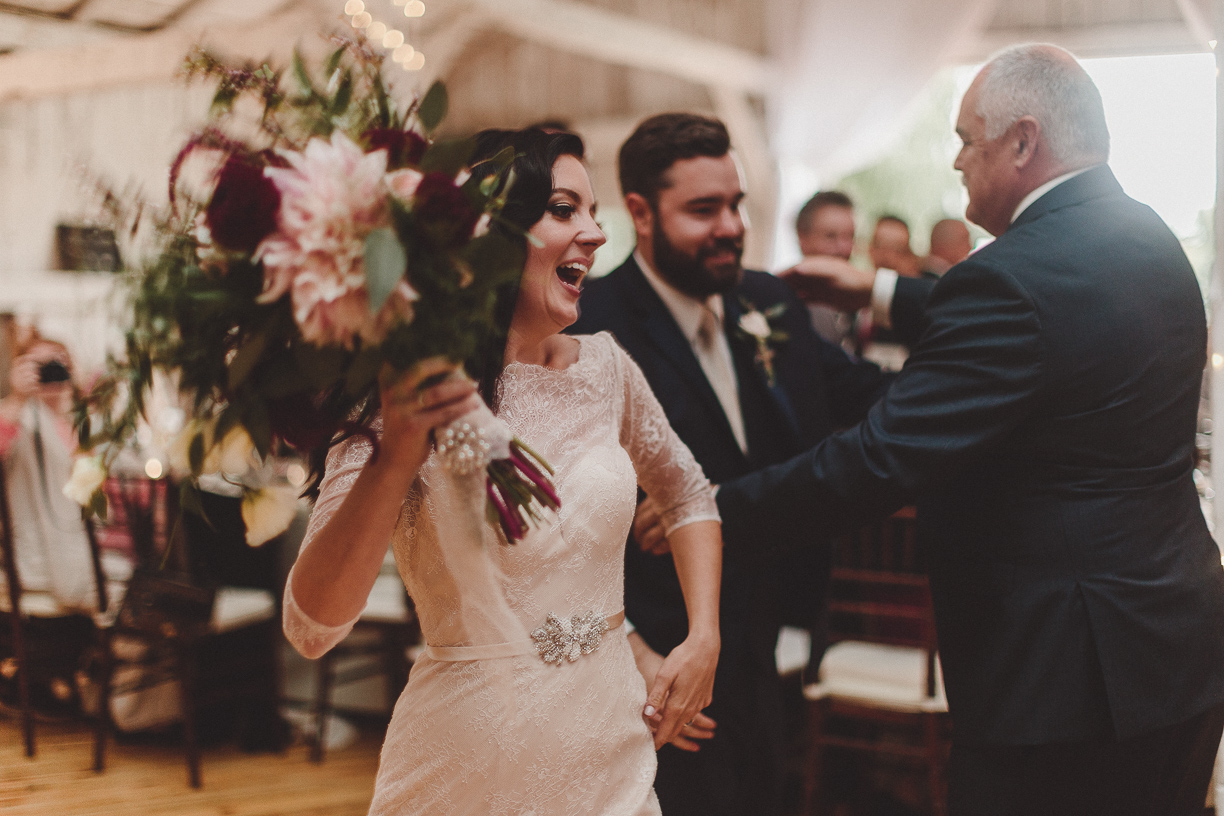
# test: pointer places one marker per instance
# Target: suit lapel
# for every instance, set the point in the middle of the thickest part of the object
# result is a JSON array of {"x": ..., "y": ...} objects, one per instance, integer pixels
[{"x": 663, "y": 333}]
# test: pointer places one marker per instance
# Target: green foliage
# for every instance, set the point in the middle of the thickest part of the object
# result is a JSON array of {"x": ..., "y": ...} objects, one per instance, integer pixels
[{"x": 197, "y": 309}]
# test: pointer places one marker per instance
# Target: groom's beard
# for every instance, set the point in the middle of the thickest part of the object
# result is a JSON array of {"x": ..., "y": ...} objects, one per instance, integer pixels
[{"x": 693, "y": 274}]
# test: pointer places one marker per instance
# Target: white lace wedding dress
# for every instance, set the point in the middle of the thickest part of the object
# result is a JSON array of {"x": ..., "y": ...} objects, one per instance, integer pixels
[{"x": 485, "y": 725}]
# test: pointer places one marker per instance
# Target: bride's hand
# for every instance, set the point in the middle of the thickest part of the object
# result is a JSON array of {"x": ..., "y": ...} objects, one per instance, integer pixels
[
  {"x": 682, "y": 687},
  {"x": 649, "y": 662},
  {"x": 411, "y": 412}
]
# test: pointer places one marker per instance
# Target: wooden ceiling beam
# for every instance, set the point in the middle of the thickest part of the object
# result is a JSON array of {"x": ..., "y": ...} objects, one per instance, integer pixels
[
  {"x": 140, "y": 58},
  {"x": 621, "y": 39}
]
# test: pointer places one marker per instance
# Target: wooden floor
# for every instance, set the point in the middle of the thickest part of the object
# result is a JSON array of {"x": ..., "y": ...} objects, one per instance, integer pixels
[{"x": 152, "y": 781}]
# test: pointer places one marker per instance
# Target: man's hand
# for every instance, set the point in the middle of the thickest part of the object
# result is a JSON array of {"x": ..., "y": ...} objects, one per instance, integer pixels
[
  {"x": 648, "y": 663},
  {"x": 830, "y": 281},
  {"x": 648, "y": 529}
]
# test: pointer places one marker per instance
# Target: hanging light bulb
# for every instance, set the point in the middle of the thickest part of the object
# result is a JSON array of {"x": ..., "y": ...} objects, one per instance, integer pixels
[
  {"x": 404, "y": 53},
  {"x": 362, "y": 19},
  {"x": 376, "y": 31},
  {"x": 416, "y": 63},
  {"x": 393, "y": 38},
  {"x": 414, "y": 8},
  {"x": 354, "y": 7}
]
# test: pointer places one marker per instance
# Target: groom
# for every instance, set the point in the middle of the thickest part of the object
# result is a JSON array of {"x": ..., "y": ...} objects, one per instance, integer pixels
[
  {"x": 1046, "y": 421},
  {"x": 746, "y": 383}
]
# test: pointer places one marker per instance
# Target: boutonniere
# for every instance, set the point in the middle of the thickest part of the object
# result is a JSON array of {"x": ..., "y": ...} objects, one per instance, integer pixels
[{"x": 757, "y": 326}]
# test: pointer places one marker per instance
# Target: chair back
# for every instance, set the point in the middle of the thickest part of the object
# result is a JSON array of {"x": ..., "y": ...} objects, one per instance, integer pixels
[{"x": 878, "y": 592}]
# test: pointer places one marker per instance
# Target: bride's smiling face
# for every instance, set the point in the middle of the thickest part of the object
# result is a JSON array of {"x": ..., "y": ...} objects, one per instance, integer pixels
[{"x": 560, "y": 257}]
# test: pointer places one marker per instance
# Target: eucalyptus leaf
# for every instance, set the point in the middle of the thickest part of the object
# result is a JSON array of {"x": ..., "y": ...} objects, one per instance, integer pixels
[
  {"x": 189, "y": 500},
  {"x": 433, "y": 106},
  {"x": 255, "y": 419},
  {"x": 344, "y": 95},
  {"x": 302, "y": 75},
  {"x": 98, "y": 505},
  {"x": 246, "y": 359},
  {"x": 195, "y": 454},
  {"x": 449, "y": 156},
  {"x": 385, "y": 265},
  {"x": 333, "y": 60}
]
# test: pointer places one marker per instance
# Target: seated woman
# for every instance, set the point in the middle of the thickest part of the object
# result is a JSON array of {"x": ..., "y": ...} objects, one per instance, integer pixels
[{"x": 486, "y": 724}]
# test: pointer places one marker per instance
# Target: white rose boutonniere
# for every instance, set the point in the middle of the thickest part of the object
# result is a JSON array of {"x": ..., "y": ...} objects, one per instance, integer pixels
[{"x": 756, "y": 325}]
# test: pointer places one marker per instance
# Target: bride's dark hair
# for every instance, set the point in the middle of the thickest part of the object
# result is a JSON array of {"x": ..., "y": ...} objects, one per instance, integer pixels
[{"x": 536, "y": 151}]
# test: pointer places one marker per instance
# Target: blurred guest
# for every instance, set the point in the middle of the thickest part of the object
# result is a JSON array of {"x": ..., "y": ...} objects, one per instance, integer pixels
[
  {"x": 825, "y": 229},
  {"x": 950, "y": 244},
  {"x": 890, "y": 247},
  {"x": 37, "y": 444},
  {"x": 52, "y": 555}
]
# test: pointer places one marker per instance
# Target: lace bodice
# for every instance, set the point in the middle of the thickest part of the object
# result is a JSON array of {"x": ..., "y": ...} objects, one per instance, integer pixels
[{"x": 600, "y": 427}]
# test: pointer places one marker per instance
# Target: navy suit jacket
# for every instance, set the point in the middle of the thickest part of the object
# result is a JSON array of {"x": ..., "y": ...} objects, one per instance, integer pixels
[
  {"x": 816, "y": 390},
  {"x": 1045, "y": 421}
]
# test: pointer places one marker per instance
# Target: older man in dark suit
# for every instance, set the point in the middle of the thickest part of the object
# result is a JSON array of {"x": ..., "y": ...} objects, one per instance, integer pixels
[
  {"x": 746, "y": 383},
  {"x": 1046, "y": 423}
]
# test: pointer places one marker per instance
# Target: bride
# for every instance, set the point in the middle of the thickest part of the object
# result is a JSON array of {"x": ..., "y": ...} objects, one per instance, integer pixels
[{"x": 488, "y": 723}]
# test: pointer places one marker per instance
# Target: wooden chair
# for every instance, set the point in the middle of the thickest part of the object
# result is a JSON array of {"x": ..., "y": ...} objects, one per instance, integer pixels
[
  {"x": 209, "y": 643},
  {"x": 34, "y": 642},
  {"x": 380, "y": 643},
  {"x": 880, "y": 673}
]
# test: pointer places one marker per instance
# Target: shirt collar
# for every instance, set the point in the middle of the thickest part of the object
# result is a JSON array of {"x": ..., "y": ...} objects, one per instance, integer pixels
[
  {"x": 686, "y": 310},
  {"x": 1045, "y": 188}
]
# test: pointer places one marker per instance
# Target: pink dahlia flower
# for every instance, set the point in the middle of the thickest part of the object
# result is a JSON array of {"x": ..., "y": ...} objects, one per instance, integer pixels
[{"x": 332, "y": 197}]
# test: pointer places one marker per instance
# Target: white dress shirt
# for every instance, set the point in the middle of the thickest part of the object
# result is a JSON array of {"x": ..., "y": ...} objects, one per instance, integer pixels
[
  {"x": 701, "y": 324},
  {"x": 886, "y": 279}
]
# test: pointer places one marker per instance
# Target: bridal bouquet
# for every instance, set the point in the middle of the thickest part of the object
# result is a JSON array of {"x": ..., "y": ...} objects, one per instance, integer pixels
[{"x": 337, "y": 239}]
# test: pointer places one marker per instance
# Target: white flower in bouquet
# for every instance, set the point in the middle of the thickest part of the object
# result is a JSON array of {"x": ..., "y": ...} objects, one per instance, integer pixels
[
  {"x": 88, "y": 474},
  {"x": 403, "y": 183},
  {"x": 267, "y": 512},
  {"x": 234, "y": 454},
  {"x": 333, "y": 196}
]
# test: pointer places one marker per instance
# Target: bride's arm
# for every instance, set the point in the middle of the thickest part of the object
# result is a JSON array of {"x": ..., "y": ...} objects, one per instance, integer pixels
[
  {"x": 340, "y": 559},
  {"x": 685, "y": 682},
  {"x": 674, "y": 481}
]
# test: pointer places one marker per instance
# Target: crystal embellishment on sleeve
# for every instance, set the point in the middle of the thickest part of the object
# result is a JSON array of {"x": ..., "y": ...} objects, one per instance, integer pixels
[{"x": 568, "y": 639}]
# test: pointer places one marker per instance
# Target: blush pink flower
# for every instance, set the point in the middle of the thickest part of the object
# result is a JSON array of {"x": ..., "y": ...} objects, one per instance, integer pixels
[{"x": 332, "y": 197}]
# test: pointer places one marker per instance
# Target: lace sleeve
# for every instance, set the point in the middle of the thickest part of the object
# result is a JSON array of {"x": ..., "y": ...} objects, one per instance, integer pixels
[
  {"x": 665, "y": 467},
  {"x": 344, "y": 463}
]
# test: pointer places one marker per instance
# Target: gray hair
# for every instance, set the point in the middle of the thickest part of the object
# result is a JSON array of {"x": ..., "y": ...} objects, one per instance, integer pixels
[{"x": 1045, "y": 82}]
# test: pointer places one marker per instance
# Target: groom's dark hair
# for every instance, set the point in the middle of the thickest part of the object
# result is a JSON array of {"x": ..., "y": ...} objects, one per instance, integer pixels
[{"x": 661, "y": 141}]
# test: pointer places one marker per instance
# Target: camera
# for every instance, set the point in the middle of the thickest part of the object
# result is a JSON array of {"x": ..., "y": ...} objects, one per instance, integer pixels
[{"x": 53, "y": 371}]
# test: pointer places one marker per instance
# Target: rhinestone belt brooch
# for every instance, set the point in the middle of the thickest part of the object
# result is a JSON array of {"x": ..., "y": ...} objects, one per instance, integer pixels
[{"x": 568, "y": 639}]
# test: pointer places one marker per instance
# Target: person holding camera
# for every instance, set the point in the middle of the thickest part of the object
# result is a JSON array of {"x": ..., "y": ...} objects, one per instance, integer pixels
[{"x": 36, "y": 447}]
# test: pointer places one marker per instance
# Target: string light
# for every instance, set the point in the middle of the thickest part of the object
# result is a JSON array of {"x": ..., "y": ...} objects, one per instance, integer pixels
[{"x": 389, "y": 38}]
